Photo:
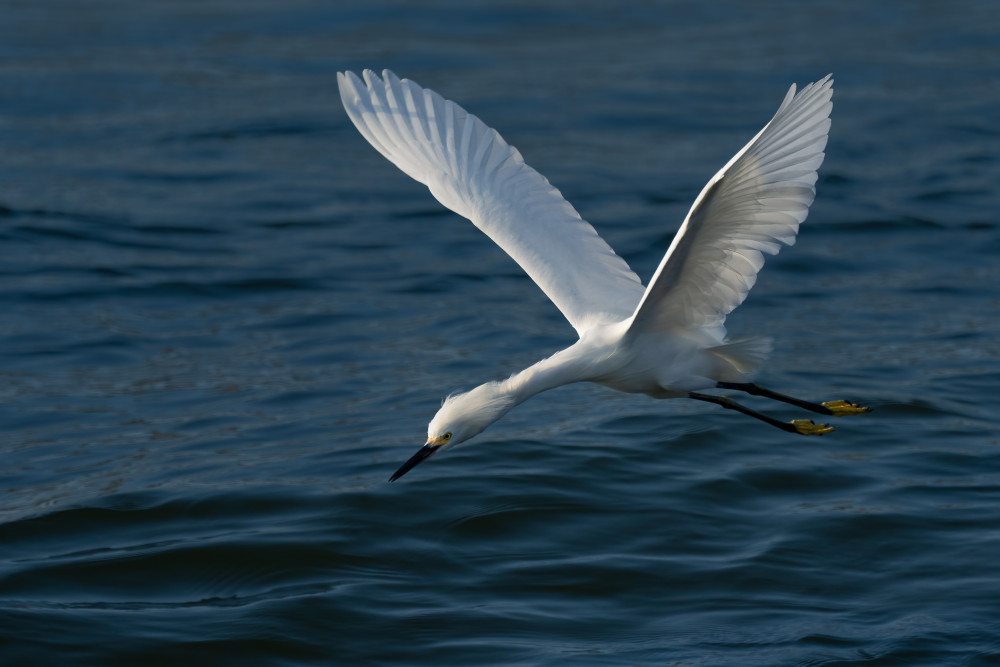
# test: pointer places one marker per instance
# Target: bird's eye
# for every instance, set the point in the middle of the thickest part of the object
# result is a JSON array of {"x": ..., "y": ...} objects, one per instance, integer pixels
[{"x": 446, "y": 437}]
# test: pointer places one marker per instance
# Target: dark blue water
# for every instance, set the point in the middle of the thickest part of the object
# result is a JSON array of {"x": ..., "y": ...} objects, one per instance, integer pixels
[{"x": 226, "y": 321}]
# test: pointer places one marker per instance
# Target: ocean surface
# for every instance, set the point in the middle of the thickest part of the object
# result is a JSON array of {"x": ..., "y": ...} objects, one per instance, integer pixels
[{"x": 226, "y": 320}]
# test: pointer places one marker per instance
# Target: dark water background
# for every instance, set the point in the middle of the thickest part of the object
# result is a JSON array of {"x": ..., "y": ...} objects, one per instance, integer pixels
[{"x": 226, "y": 320}]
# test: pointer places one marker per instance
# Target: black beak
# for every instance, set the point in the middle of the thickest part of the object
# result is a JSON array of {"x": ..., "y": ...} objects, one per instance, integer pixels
[{"x": 424, "y": 452}]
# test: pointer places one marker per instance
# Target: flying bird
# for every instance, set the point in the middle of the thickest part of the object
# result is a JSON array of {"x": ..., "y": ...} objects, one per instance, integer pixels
[{"x": 665, "y": 340}]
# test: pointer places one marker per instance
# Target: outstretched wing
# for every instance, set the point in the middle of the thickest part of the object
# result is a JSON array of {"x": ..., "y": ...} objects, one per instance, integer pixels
[
  {"x": 753, "y": 205},
  {"x": 470, "y": 169}
]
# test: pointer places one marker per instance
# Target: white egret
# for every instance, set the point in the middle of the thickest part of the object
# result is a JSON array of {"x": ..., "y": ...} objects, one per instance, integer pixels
[{"x": 667, "y": 340}]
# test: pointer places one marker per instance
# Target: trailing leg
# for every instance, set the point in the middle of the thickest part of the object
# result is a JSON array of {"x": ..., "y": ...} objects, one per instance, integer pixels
[
  {"x": 832, "y": 408},
  {"x": 801, "y": 426}
]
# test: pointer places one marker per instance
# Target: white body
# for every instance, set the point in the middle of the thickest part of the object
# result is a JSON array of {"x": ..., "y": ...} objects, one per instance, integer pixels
[{"x": 664, "y": 340}]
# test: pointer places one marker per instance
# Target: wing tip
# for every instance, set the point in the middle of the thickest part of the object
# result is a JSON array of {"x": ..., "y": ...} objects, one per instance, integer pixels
[
  {"x": 820, "y": 88},
  {"x": 348, "y": 84},
  {"x": 369, "y": 79}
]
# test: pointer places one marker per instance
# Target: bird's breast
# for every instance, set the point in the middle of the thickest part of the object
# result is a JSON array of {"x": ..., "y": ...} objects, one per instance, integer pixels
[{"x": 662, "y": 366}]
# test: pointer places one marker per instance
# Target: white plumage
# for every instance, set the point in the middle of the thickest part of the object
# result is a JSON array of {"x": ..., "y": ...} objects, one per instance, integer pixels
[
  {"x": 666, "y": 340},
  {"x": 750, "y": 207},
  {"x": 470, "y": 169}
]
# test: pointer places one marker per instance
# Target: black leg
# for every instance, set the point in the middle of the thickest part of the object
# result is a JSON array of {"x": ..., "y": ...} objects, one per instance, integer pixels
[
  {"x": 802, "y": 426},
  {"x": 832, "y": 408}
]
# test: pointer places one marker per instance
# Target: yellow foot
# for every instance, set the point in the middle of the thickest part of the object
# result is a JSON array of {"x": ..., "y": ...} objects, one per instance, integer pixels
[
  {"x": 843, "y": 408},
  {"x": 807, "y": 427}
]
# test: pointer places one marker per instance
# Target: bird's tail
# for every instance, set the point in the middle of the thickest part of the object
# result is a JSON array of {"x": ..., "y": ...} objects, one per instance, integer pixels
[{"x": 741, "y": 358}]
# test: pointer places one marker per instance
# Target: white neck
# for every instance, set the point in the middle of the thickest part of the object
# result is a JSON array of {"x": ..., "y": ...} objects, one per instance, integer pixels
[
  {"x": 470, "y": 413},
  {"x": 563, "y": 367}
]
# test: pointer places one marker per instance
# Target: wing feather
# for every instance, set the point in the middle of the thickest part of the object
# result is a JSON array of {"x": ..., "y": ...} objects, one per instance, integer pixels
[
  {"x": 750, "y": 208},
  {"x": 471, "y": 170}
]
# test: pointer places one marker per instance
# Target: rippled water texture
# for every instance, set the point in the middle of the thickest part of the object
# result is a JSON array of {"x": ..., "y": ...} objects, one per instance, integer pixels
[{"x": 226, "y": 321}]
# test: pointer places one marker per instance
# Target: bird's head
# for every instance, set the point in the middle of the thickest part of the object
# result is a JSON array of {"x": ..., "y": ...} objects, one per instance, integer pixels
[{"x": 461, "y": 416}]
